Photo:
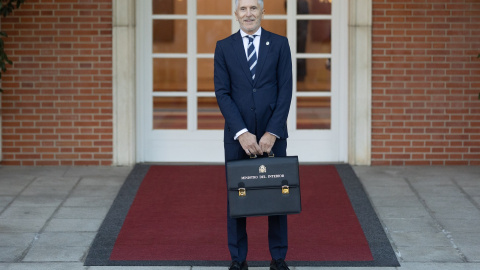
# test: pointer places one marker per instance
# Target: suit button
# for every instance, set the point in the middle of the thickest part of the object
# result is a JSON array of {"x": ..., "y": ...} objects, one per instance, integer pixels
[
  {"x": 254, "y": 90},
  {"x": 252, "y": 108}
]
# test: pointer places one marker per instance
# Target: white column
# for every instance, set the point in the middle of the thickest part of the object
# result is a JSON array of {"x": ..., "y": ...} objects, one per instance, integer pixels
[
  {"x": 360, "y": 83},
  {"x": 124, "y": 82}
]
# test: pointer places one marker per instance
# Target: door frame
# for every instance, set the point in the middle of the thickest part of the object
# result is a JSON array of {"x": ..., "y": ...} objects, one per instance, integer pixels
[{"x": 127, "y": 145}]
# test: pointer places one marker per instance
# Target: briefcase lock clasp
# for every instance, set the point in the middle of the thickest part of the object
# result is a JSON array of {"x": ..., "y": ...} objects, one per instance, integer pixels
[
  {"x": 242, "y": 192},
  {"x": 285, "y": 189}
]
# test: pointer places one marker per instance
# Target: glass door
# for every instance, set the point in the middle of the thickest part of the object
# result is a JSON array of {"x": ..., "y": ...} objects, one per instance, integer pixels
[
  {"x": 318, "y": 117},
  {"x": 178, "y": 118}
]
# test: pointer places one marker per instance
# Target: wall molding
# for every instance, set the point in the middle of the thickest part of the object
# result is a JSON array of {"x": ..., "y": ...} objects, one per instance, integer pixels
[
  {"x": 360, "y": 81},
  {"x": 123, "y": 61}
]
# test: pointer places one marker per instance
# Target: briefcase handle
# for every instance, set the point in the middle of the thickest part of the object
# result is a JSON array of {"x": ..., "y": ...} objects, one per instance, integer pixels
[{"x": 271, "y": 154}]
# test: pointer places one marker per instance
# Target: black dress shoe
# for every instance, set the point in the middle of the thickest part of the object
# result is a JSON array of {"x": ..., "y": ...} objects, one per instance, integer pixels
[
  {"x": 238, "y": 266},
  {"x": 279, "y": 264}
]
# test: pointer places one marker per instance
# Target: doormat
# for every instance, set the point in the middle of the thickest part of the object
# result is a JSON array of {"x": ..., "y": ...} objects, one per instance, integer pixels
[{"x": 167, "y": 215}]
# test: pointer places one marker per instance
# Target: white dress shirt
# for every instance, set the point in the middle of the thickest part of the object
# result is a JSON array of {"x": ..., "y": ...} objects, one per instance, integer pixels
[{"x": 256, "y": 40}]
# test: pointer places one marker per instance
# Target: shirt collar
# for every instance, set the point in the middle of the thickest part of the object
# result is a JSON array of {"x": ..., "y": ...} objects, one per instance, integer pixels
[{"x": 258, "y": 33}]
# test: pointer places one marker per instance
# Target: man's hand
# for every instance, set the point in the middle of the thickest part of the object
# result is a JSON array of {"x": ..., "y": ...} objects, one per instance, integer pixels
[
  {"x": 248, "y": 141},
  {"x": 266, "y": 142}
]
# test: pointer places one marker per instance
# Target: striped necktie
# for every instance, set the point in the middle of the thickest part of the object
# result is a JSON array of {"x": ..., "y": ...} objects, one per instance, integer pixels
[{"x": 252, "y": 55}]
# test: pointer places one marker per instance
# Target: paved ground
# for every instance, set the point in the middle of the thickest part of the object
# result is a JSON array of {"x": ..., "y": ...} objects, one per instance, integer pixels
[{"x": 50, "y": 215}]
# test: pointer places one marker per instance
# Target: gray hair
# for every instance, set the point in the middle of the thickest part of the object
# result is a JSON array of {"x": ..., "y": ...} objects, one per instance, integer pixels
[{"x": 260, "y": 2}]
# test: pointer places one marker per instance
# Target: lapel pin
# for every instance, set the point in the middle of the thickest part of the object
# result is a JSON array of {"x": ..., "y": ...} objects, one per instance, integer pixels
[{"x": 268, "y": 43}]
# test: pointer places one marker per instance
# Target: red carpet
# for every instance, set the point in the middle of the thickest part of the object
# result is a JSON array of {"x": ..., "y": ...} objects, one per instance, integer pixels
[{"x": 179, "y": 213}]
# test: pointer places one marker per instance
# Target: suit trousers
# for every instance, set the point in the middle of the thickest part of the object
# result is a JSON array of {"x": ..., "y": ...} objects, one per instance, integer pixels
[{"x": 237, "y": 227}]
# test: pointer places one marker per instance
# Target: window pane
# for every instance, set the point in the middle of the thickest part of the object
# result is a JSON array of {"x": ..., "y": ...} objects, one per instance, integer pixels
[
  {"x": 169, "y": 113},
  {"x": 205, "y": 75},
  {"x": 169, "y": 36},
  {"x": 209, "y": 115},
  {"x": 275, "y": 7},
  {"x": 322, "y": 7},
  {"x": 276, "y": 26},
  {"x": 313, "y": 75},
  {"x": 214, "y": 7},
  {"x": 313, "y": 112},
  {"x": 169, "y": 74},
  {"x": 169, "y": 7},
  {"x": 209, "y": 31},
  {"x": 314, "y": 36}
]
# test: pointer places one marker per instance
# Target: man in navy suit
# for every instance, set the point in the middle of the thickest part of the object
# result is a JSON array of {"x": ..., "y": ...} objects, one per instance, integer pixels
[{"x": 253, "y": 86}]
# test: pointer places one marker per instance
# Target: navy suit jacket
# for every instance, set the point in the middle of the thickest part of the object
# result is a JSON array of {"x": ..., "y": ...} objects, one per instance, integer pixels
[{"x": 259, "y": 105}]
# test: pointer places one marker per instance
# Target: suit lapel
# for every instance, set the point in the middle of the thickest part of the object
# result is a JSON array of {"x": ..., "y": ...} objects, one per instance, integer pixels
[
  {"x": 263, "y": 52},
  {"x": 240, "y": 52}
]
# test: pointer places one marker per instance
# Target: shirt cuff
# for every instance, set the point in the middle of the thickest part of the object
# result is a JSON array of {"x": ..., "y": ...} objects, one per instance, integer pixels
[
  {"x": 274, "y": 135},
  {"x": 240, "y": 133}
]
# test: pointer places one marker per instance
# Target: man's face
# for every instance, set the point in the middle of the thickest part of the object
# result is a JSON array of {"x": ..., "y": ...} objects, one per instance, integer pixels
[{"x": 249, "y": 14}]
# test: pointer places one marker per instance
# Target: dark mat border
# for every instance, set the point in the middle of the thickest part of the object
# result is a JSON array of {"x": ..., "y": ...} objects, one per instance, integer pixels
[{"x": 102, "y": 246}]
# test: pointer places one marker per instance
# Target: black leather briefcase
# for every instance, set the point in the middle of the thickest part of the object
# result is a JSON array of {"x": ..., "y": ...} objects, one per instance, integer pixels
[{"x": 263, "y": 186}]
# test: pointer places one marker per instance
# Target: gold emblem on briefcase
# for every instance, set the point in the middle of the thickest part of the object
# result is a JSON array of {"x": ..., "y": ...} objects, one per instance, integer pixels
[{"x": 262, "y": 169}]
